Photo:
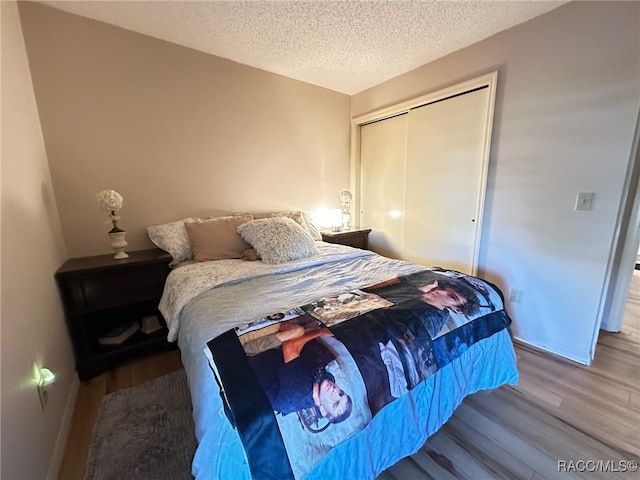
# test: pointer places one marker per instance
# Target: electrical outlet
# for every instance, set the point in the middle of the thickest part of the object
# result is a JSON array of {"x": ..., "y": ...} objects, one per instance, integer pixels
[
  {"x": 584, "y": 201},
  {"x": 43, "y": 395},
  {"x": 515, "y": 295}
]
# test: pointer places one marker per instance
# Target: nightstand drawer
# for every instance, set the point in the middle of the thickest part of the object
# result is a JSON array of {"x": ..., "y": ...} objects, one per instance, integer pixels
[
  {"x": 351, "y": 238},
  {"x": 106, "y": 289},
  {"x": 359, "y": 241}
]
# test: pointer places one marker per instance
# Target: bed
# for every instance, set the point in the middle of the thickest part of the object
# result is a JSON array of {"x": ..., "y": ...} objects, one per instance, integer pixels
[{"x": 323, "y": 307}]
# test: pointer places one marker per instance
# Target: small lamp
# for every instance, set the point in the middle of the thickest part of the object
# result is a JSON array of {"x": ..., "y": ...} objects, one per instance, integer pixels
[{"x": 336, "y": 219}]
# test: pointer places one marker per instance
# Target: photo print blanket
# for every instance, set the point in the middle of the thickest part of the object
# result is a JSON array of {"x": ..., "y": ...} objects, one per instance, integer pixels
[{"x": 297, "y": 383}]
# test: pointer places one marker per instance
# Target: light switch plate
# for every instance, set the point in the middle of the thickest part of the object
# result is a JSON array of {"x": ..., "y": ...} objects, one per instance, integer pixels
[{"x": 584, "y": 201}]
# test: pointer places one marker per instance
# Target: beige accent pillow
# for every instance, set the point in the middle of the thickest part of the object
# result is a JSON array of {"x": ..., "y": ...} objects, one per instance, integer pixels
[
  {"x": 295, "y": 216},
  {"x": 217, "y": 238}
]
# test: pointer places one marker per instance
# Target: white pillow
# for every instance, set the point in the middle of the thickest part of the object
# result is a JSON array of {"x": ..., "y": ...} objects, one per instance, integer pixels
[
  {"x": 312, "y": 227},
  {"x": 172, "y": 238},
  {"x": 278, "y": 239}
]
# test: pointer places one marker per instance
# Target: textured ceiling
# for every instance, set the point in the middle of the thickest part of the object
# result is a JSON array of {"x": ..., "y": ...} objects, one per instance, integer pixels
[{"x": 347, "y": 46}]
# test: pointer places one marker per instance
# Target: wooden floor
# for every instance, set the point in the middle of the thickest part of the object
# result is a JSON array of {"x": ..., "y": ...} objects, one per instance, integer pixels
[
  {"x": 557, "y": 422},
  {"x": 563, "y": 420}
]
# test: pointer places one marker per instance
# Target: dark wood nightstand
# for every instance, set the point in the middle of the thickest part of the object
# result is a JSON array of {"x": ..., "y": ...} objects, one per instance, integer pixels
[
  {"x": 351, "y": 238},
  {"x": 99, "y": 293}
]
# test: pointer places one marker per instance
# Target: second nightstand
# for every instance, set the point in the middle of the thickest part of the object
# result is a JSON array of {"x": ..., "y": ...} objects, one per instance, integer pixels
[{"x": 352, "y": 238}]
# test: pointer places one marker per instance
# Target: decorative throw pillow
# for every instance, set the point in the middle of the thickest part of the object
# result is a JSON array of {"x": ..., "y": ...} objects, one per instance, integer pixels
[
  {"x": 217, "y": 238},
  {"x": 278, "y": 239},
  {"x": 300, "y": 217},
  {"x": 172, "y": 238}
]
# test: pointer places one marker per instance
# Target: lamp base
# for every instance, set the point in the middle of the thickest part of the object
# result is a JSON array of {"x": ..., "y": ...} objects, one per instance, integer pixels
[
  {"x": 346, "y": 220},
  {"x": 118, "y": 243}
]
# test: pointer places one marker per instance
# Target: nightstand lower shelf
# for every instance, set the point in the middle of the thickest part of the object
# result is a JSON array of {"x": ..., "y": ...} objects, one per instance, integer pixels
[{"x": 107, "y": 356}]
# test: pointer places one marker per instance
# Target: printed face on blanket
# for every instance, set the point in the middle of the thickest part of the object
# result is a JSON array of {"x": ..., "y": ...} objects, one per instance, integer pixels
[
  {"x": 446, "y": 293},
  {"x": 292, "y": 370},
  {"x": 401, "y": 336},
  {"x": 295, "y": 378}
]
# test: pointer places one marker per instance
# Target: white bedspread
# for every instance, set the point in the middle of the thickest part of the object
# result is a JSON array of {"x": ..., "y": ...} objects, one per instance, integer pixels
[{"x": 185, "y": 283}]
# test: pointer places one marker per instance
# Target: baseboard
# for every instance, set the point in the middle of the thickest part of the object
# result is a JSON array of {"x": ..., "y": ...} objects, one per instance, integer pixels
[
  {"x": 63, "y": 432},
  {"x": 561, "y": 356}
]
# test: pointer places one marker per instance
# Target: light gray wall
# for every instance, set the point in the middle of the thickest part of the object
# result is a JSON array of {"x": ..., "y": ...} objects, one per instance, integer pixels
[
  {"x": 33, "y": 329},
  {"x": 567, "y": 100}
]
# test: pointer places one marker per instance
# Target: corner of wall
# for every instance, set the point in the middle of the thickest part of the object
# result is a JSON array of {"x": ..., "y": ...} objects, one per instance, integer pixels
[{"x": 63, "y": 432}]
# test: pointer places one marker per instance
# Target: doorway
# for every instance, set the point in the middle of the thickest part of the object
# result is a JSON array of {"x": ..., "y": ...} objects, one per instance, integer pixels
[{"x": 626, "y": 249}]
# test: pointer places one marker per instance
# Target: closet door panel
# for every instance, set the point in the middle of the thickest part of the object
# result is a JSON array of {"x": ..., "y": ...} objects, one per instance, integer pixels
[
  {"x": 382, "y": 166},
  {"x": 445, "y": 181}
]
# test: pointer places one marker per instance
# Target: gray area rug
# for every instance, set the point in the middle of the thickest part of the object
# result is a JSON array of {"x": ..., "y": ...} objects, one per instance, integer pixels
[{"x": 144, "y": 432}]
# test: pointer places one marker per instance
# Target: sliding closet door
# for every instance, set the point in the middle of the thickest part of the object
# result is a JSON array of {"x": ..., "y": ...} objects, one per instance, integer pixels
[
  {"x": 382, "y": 170},
  {"x": 445, "y": 181}
]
